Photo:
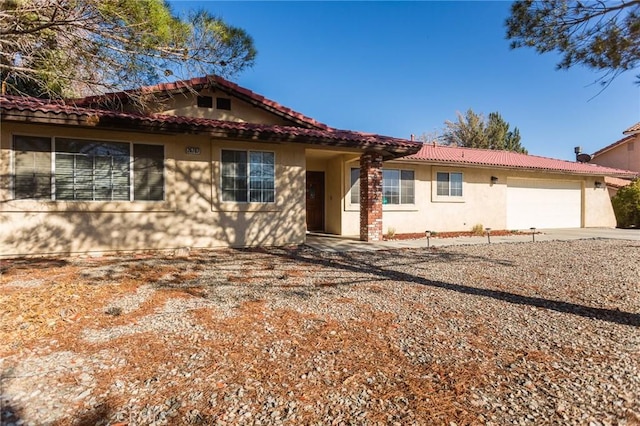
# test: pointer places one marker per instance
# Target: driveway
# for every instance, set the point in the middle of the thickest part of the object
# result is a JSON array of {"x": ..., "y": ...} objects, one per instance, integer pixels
[{"x": 352, "y": 243}]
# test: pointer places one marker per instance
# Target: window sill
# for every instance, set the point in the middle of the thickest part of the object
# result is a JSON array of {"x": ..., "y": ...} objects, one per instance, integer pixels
[
  {"x": 448, "y": 199},
  {"x": 230, "y": 206},
  {"x": 42, "y": 206},
  {"x": 387, "y": 208}
]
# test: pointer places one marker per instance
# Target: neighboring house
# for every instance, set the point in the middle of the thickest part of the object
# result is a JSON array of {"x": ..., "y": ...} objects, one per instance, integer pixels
[
  {"x": 622, "y": 154},
  {"x": 218, "y": 165}
]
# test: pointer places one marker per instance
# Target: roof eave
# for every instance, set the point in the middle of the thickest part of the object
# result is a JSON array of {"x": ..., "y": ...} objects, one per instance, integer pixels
[
  {"x": 87, "y": 120},
  {"x": 595, "y": 173}
]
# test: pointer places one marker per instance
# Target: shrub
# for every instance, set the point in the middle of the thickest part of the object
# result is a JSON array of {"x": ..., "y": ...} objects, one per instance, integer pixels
[
  {"x": 626, "y": 205},
  {"x": 477, "y": 229},
  {"x": 391, "y": 231}
]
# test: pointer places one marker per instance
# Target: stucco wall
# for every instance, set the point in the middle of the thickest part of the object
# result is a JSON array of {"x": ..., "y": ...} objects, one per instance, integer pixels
[
  {"x": 482, "y": 203},
  {"x": 185, "y": 105},
  {"x": 598, "y": 210},
  {"x": 625, "y": 156},
  {"x": 191, "y": 215}
]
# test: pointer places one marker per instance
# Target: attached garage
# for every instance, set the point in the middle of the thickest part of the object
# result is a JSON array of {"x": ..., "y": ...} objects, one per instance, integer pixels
[{"x": 543, "y": 203}]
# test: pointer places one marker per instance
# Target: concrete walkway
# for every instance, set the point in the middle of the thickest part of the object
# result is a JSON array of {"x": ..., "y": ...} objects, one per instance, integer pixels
[{"x": 337, "y": 243}]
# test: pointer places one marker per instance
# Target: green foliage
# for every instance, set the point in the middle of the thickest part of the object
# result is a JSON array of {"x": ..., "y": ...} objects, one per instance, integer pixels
[
  {"x": 65, "y": 48},
  {"x": 474, "y": 131},
  {"x": 604, "y": 36},
  {"x": 626, "y": 205}
]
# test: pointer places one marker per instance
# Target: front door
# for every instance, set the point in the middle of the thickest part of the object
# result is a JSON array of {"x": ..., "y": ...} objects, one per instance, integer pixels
[{"x": 315, "y": 201}]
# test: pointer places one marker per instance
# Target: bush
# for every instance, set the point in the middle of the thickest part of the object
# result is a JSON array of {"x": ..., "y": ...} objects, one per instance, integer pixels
[
  {"x": 626, "y": 205},
  {"x": 391, "y": 232},
  {"x": 477, "y": 229}
]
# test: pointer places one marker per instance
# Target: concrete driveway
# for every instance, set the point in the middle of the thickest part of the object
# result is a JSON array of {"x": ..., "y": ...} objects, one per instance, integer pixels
[{"x": 352, "y": 243}]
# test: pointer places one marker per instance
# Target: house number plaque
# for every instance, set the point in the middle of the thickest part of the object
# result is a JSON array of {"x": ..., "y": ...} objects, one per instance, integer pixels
[{"x": 192, "y": 150}]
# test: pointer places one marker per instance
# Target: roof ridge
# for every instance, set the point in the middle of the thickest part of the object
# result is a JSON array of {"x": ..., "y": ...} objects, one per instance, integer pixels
[
  {"x": 508, "y": 159},
  {"x": 502, "y": 151},
  {"x": 212, "y": 79}
]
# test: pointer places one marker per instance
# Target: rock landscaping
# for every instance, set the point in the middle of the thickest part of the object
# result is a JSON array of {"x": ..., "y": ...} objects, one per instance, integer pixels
[{"x": 521, "y": 333}]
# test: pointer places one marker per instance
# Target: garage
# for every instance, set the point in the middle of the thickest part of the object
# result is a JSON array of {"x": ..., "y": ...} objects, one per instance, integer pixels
[{"x": 543, "y": 203}]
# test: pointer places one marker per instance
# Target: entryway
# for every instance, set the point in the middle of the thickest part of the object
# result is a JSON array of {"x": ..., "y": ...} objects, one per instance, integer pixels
[{"x": 315, "y": 201}]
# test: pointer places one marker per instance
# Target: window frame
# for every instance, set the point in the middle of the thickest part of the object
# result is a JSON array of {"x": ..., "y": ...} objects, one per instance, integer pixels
[
  {"x": 248, "y": 178},
  {"x": 401, "y": 201},
  {"x": 54, "y": 179},
  {"x": 449, "y": 197}
]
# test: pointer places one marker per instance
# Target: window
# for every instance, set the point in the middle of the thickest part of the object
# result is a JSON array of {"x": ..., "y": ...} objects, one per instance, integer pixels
[
  {"x": 87, "y": 170},
  {"x": 248, "y": 176},
  {"x": 91, "y": 170},
  {"x": 397, "y": 186},
  {"x": 449, "y": 184},
  {"x": 205, "y": 102},
  {"x": 32, "y": 167},
  {"x": 355, "y": 186},
  {"x": 148, "y": 172},
  {"x": 223, "y": 103}
]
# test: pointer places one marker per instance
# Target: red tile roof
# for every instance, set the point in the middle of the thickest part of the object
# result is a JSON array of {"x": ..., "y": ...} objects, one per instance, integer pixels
[
  {"x": 505, "y": 159},
  {"x": 633, "y": 129},
  {"x": 213, "y": 81},
  {"x": 616, "y": 182},
  {"x": 29, "y": 109},
  {"x": 614, "y": 145}
]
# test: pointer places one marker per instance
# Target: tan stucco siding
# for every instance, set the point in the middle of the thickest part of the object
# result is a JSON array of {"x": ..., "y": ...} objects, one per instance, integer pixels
[
  {"x": 185, "y": 105},
  {"x": 192, "y": 214},
  {"x": 598, "y": 210},
  {"x": 483, "y": 202},
  {"x": 625, "y": 156}
]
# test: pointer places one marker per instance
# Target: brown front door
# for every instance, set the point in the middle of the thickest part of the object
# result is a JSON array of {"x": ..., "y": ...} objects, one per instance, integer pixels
[{"x": 315, "y": 201}]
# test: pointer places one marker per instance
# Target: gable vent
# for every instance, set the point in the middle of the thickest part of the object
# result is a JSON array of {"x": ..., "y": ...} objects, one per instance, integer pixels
[
  {"x": 223, "y": 103},
  {"x": 205, "y": 102}
]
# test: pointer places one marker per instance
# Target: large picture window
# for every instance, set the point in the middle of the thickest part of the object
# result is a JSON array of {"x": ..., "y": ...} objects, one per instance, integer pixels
[
  {"x": 248, "y": 176},
  {"x": 68, "y": 169},
  {"x": 449, "y": 184},
  {"x": 398, "y": 186}
]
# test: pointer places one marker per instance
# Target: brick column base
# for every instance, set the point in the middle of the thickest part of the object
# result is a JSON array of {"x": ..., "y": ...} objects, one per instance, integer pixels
[{"x": 371, "y": 196}]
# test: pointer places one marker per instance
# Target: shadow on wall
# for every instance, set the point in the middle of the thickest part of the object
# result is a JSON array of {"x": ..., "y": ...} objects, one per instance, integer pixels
[{"x": 195, "y": 220}]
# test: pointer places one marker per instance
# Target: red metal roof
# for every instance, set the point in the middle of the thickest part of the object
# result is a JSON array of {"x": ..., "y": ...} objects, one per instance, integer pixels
[
  {"x": 9, "y": 105},
  {"x": 213, "y": 81},
  {"x": 507, "y": 159}
]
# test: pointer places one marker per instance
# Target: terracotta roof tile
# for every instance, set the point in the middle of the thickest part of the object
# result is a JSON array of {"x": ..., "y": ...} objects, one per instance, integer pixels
[
  {"x": 213, "y": 80},
  {"x": 239, "y": 129},
  {"x": 506, "y": 159},
  {"x": 633, "y": 129},
  {"x": 616, "y": 182}
]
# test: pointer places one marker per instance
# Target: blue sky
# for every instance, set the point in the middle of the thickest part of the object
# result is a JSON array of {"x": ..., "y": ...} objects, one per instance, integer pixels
[{"x": 397, "y": 68}]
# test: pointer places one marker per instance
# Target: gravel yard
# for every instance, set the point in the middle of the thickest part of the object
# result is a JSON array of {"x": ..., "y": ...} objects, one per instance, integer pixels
[{"x": 522, "y": 333}]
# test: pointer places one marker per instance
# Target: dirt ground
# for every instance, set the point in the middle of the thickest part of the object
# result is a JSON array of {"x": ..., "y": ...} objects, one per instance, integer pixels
[{"x": 512, "y": 333}]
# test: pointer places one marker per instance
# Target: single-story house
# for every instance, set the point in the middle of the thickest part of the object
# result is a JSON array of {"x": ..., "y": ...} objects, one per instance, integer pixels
[
  {"x": 218, "y": 165},
  {"x": 622, "y": 154}
]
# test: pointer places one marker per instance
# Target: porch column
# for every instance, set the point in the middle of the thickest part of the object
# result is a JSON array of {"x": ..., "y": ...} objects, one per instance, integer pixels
[{"x": 371, "y": 196}]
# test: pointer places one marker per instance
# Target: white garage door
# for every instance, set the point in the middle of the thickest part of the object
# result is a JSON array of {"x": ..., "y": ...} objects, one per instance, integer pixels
[{"x": 543, "y": 203}]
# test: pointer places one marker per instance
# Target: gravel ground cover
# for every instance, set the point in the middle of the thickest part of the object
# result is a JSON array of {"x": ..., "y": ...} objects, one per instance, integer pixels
[{"x": 523, "y": 333}]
